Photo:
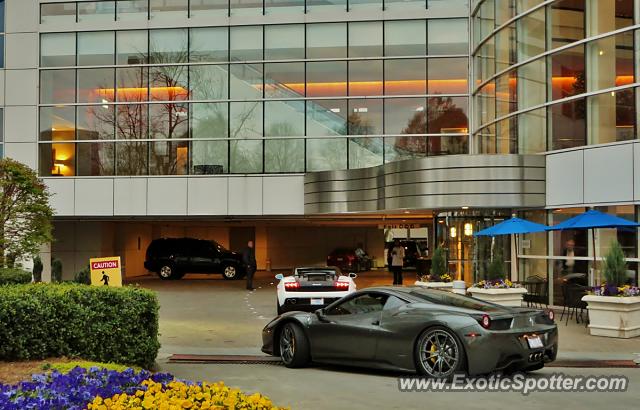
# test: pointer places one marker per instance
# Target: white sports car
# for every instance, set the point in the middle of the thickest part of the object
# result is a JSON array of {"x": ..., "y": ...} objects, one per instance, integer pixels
[{"x": 311, "y": 288}]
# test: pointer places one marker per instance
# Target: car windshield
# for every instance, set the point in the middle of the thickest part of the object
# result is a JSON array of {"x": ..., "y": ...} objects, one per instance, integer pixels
[
  {"x": 316, "y": 271},
  {"x": 452, "y": 299}
]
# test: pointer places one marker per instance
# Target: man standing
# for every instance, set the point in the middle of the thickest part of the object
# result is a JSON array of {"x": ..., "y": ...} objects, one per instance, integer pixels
[
  {"x": 397, "y": 261},
  {"x": 249, "y": 260}
]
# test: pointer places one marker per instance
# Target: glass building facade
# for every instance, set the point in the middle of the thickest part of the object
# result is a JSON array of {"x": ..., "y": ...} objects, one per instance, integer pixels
[
  {"x": 249, "y": 99},
  {"x": 551, "y": 75}
]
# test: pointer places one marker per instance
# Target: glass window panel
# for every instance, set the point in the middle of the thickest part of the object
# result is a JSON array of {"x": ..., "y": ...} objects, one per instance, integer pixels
[
  {"x": 209, "y": 8},
  {"x": 246, "y": 81},
  {"x": 448, "y": 145},
  {"x": 168, "y": 121},
  {"x": 325, "y": 154},
  {"x": 447, "y": 115},
  {"x": 57, "y": 13},
  {"x": 327, "y": 40},
  {"x": 485, "y": 140},
  {"x": 283, "y": 42},
  {"x": 209, "y": 44},
  {"x": 132, "y": 84},
  {"x": 532, "y": 135},
  {"x": 96, "y": 85},
  {"x": 448, "y": 76},
  {"x": 167, "y": 10},
  {"x": 327, "y": 117},
  {"x": 1, "y": 51},
  {"x": 132, "y": 123},
  {"x": 448, "y": 36},
  {"x": 568, "y": 73},
  {"x": 531, "y": 82},
  {"x": 96, "y": 11},
  {"x": 325, "y": 6},
  {"x": 57, "y": 124},
  {"x": 169, "y": 83},
  {"x": 246, "y": 43},
  {"x": 284, "y": 6},
  {"x": 57, "y": 86},
  {"x": 284, "y": 118},
  {"x": 209, "y": 121},
  {"x": 209, "y": 82},
  {"x": 405, "y": 38},
  {"x": 567, "y": 124},
  {"x": 524, "y": 5},
  {"x": 96, "y": 48},
  {"x": 284, "y": 155},
  {"x": 132, "y": 158},
  {"x": 403, "y": 5},
  {"x": 168, "y": 158},
  {"x": 365, "y": 152},
  {"x": 365, "y": 4},
  {"x": 96, "y": 159},
  {"x": 132, "y": 10},
  {"x": 486, "y": 103},
  {"x": 506, "y": 136},
  {"x": 246, "y": 129},
  {"x": 365, "y": 39},
  {"x": 405, "y": 116},
  {"x": 168, "y": 46},
  {"x": 505, "y": 10},
  {"x": 611, "y": 62},
  {"x": 531, "y": 35},
  {"x": 567, "y": 22},
  {"x": 327, "y": 78},
  {"x": 365, "y": 77},
  {"x": 132, "y": 47},
  {"x": 57, "y": 49},
  {"x": 609, "y": 15},
  {"x": 405, "y": 77},
  {"x": 365, "y": 117},
  {"x": 612, "y": 117},
  {"x": 485, "y": 66},
  {"x": 96, "y": 122},
  {"x": 57, "y": 159},
  {"x": 246, "y": 7},
  {"x": 449, "y": 6},
  {"x": 405, "y": 147},
  {"x": 284, "y": 80},
  {"x": 506, "y": 93},
  {"x": 505, "y": 41}
]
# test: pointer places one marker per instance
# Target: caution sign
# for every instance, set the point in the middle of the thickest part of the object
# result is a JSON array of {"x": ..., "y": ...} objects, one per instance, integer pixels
[{"x": 106, "y": 271}]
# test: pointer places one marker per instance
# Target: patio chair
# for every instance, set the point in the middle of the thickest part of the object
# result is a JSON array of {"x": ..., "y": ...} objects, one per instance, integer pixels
[
  {"x": 573, "y": 302},
  {"x": 537, "y": 291}
]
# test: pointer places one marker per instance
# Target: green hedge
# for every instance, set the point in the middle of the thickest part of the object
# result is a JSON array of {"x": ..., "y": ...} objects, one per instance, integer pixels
[
  {"x": 118, "y": 325},
  {"x": 13, "y": 276}
]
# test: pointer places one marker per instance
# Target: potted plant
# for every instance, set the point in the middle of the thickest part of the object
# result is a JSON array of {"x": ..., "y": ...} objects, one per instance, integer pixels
[
  {"x": 614, "y": 307},
  {"x": 496, "y": 287},
  {"x": 438, "y": 277}
]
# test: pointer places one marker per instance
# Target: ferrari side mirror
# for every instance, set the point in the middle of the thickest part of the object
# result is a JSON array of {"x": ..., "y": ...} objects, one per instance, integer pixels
[
  {"x": 279, "y": 276},
  {"x": 321, "y": 316}
]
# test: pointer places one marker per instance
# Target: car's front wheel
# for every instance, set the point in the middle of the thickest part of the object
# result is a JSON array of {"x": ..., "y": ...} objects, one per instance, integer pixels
[
  {"x": 294, "y": 346},
  {"x": 168, "y": 272},
  {"x": 439, "y": 354},
  {"x": 230, "y": 272}
]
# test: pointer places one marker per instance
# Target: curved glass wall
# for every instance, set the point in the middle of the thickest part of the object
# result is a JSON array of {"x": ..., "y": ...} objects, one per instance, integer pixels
[
  {"x": 552, "y": 75},
  {"x": 251, "y": 99}
]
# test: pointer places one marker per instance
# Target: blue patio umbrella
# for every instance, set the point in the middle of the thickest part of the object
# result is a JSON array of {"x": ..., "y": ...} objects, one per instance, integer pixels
[
  {"x": 512, "y": 226},
  {"x": 593, "y": 219}
]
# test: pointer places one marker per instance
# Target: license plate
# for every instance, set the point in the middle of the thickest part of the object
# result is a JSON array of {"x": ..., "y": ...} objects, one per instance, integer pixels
[
  {"x": 534, "y": 342},
  {"x": 317, "y": 301}
]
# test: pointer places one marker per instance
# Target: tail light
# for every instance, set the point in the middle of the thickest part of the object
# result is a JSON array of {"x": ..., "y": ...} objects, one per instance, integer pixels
[
  {"x": 291, "y": 285},
  {"x": 341, "y": 285},
  {"x": 351, "y": 258},
  {"x": 485, "y": 321}
]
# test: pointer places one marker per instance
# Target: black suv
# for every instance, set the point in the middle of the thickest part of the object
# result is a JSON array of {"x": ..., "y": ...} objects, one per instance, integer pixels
[{"x": 171, "y": 258}]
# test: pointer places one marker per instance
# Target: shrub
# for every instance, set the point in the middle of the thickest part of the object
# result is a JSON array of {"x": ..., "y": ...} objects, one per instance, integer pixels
[
  {"x": 56, "y": 271},
  {"x": 97, "y": 323},
  {"x": 615, "y": 266},
  {"x": 37, "y": 269},
  {"x": 438, "y": 264},
  {"x": 83, "y": 277},
  {"x": 496, "y": 269},
  {"x": 14, "y": 276}
]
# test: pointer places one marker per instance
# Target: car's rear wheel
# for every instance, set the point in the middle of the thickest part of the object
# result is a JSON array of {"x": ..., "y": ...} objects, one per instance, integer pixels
[
  {"x": 439, "y": 354},
  {"x": 230, "y": 272},
  {"x": 294, "y": 347},
  {"x": 168, "y": 272}
]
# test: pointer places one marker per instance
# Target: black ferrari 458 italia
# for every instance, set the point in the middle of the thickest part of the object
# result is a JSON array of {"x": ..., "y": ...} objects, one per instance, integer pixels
[{"x": 432, "y": 332}]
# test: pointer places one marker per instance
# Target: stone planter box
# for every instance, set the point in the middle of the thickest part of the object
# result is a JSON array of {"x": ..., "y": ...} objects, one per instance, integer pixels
[
  {"x": 613, "y": 316},
  {"x": 505, "y": 297},
  {"x": 436, "y": 285}
]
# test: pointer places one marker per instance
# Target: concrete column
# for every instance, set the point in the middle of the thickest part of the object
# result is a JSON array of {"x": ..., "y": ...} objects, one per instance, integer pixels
[
  {"x": 45, "y": 256},
  {"x": 261, "y": 242}
]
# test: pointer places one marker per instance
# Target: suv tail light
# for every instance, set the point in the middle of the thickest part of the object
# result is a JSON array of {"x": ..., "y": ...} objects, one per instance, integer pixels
[
  {"x": 341, "y": 285},
  {"x": 291, "y": 285}
]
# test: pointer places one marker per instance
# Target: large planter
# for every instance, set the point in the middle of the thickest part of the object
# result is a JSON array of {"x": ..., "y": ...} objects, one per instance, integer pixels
[
  {"x": 501, "y": 296},
  {"x": 613, "y": 316},
  {"x": 435, "y": 285}
]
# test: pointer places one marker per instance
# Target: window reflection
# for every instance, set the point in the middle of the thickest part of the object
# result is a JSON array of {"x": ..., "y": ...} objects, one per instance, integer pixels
[
  {"x": 324, "y": 6},
  {"x": 168, "y": 83},
  {"x": 405, "y": 77},
  {"x": 327, "y": 40},
  {"x": 57, "y": 13},
  {"x": 246, "y": 43},
  {"x": 246, "y": 7},
  {"x": 57, "y": 86},
  {"x": 209, "y": 44},
  {"x": 96, "y": 48},
  {"x": 246, "y": 133},
  {"x": 132, "y": 10},
  {"x": 327, "y": 78},
  {"x": 96, "y": 122},
  {"x": 284, "y": 6},
  {"x": 132, "y": 47},
  {"x": 284, "y": 80},
  {"x": 57, "y": 49},
  {"x": 57, "y": 124},
  {"x": 209, "y": 120},
  {"x": 568, "y": 73},
  {"x": 448, "y": 36},
  {"x": 209, "y": 82},
  {"x": 284, "y": 42},
  {"x": 93, "y": 82},
  {"x": 365, "y": 77},
  {"x": 568, "y": 124},
  {"x": 132, "y": 85},
  {"x": 167, "y": 10},
  {"x": 365, "y": 39},
  {"x": 448, "y": 76},
  {"x": 132, "y": 122},
  {"x": 96, "y": 159},
  {"x": 168, "y": 46},
  {"x": 96, "y": 11},
  {"x": 405, "y": 38},
  {"x": 208, "y": 8}
]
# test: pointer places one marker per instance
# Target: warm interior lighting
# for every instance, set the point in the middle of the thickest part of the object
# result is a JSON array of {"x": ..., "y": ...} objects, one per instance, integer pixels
[
  {"x": 453, "y": 232},
  {"x": 468, "y": 229},
  {"x": 140, "y": 93}
]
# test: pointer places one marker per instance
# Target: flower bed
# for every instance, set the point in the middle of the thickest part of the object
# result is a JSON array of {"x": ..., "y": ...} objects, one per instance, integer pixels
[
  {"x": 625, "y": 291},
  {"x": 496, "y": 284},
  {"x": 98, "y": 388}
]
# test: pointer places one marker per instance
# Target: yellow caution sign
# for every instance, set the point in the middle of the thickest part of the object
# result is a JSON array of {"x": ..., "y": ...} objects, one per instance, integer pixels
[{"x": 106, "y": 271}]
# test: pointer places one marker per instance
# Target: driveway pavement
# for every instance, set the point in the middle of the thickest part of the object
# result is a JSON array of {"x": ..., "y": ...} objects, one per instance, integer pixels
[{"x": 208, "y": 315}]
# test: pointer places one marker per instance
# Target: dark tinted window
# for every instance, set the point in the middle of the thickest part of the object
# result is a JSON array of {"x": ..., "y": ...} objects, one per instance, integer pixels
[
  {"x": 452, "y": 299},
  {"x": 367, "y": 303},
  {"x": 393, "y": 302}
]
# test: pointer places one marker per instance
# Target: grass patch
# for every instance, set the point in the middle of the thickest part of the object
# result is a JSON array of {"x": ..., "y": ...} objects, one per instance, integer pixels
[
  {"x": 65, "y": 367},
  {"x": 14, "y": 372}
]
